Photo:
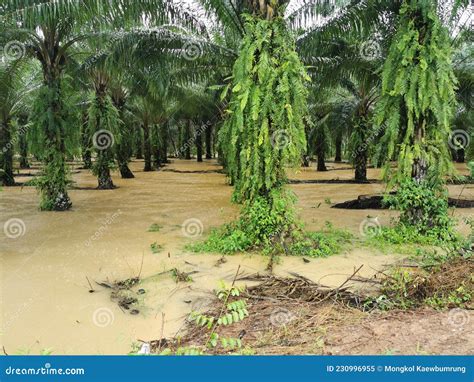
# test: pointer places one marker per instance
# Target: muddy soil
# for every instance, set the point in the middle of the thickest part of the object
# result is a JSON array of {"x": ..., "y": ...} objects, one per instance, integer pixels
[
  {"x": 45, "y": 297},
  {"x": 421, "y": 332}
]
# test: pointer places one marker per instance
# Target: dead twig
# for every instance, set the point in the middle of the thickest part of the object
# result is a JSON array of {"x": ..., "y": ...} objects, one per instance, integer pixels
[{"x": 162, "y": 330}]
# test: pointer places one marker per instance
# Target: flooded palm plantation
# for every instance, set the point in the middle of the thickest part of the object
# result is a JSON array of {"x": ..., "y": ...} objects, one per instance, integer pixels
[
  {"x": 50, "y": 292},
  {"x": 236, "y": 177}
]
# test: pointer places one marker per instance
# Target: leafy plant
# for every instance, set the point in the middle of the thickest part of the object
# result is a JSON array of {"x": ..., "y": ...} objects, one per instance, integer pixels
[
  {"x": 155, "y": 247},
  {"x": 424, "y": 215},
  {"x": 155, "y": 227},
  {"x": 178, "y": 276},
  {"x": 418, "y": 94},
  {"x": 470, "y": 165},
  {"x": 272, "y": 229},
  {"x": 232, "y": 310}
]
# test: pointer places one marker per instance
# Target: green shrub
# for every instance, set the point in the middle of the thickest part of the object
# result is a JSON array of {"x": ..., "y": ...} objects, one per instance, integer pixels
[
  {"x": 424, "y": 215},
  {"x": 271, "y": 227}
]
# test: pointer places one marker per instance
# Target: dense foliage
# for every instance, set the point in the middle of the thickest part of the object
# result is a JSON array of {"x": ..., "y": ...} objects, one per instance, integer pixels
[{"x": 418, "y": 93}]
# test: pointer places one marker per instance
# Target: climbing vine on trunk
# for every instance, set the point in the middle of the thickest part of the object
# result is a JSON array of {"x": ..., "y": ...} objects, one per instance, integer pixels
[
  {"x": 104, "y": 127},
  {"x": 264, "y": 130},
  {"x": 418, "y": 94},
  {"x": 418, "y": 97},
  {"x": 53, "y": 138}
]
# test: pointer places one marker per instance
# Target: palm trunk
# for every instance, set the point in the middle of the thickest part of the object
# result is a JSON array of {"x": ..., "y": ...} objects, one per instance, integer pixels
[
  {"x": 360, "y": 163},
  {"x": 164, "y": 142},
  {"x": 321, "y": 166},
  {"x": 22, "y": 142},
  {"x": 187, "y": 139},
  {"x": 124, "y": 153},
  {"x": 138, "y": 143},
  {"x": 103, "y": 176},
  {"x": 321, "y": 151},
  {"x": 6, "y": 155},
  {"x": 125, "y": 171},
  {"x": 460, "y": 155},
  {"x": 147, "y": 147},
  {"x": 124, "y": 149},
  {"x": 24, "y": 163},
  {"x": 104, "y": 156},
  {"x": 419, "y": 167},
  {"x": 361, "y": 154},
  {"x": 338, "y": 143},
  {"x": 156, "y": 146},
  {"x": 306, "y": 159},
  {"x": 209, "y": 142},
  {"x": 199, "y": 146},
  {"x": 54, "y": 183},
  {"x": 86, "y": 143}
]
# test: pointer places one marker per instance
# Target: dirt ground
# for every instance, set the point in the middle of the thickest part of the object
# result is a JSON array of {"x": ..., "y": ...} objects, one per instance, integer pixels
[
  {"x": 298, "y": 316},
  {"x": 423, "y": 331},
  {"x": 46, "y": 271}
]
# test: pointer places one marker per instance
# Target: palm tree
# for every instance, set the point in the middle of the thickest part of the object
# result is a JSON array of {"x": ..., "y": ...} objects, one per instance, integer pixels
[
  {"x": 417, "y": 105},
  {"x": 48, "y": 31},
  {"x": 124, "y": 148},
  {"x": 13, "y": 89},
  {"x": 104, "y": 127},
  {"x": 365, "y": 93}
]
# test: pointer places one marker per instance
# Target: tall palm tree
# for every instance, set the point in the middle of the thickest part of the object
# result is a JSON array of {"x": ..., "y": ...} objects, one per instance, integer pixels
[
  {"x": 48, "y": 31},
  {"x": 13, "y": 89}
]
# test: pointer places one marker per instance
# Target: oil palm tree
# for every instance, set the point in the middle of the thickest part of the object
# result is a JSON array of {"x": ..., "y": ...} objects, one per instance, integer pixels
[
  {"x": 47, "y": 32},
  {"x": 14, "y": 87}
]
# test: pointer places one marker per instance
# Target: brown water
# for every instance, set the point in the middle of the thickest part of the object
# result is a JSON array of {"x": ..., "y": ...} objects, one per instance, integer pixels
[{"x": 45, "y": 299}]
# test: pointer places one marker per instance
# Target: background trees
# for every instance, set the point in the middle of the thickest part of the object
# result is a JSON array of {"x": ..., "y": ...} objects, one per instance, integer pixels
[{"x": 383, "y": 80}]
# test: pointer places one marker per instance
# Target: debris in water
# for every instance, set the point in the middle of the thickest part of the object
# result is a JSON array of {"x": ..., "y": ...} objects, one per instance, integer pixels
[
  {"x": 221, "y": 261},
  {"x": 92, "y": 290},
  {"x": 145, "y": 349}
]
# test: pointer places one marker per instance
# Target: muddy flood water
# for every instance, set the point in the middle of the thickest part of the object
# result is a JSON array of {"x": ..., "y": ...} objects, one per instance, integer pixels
[{"x": 46, "y": 268}]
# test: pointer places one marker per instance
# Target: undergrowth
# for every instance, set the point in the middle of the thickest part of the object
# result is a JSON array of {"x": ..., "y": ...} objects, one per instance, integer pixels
[
  {"x": 424, "y": 220},
  {"x": 232, "y": 309},
  {"x": 424, "y": 215},
  {"x": 271, "y": 227},
  {"x": 439, "y": 279}
]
